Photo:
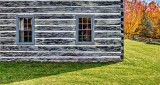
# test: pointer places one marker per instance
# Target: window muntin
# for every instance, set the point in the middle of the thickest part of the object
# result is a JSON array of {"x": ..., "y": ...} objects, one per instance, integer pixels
[
  {"x": 25, "y": 30},
  {"x": 85, "y": 30}
]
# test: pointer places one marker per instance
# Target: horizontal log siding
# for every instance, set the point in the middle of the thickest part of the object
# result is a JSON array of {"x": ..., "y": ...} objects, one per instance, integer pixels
[
  {"x": 51, "y": 41},
  {"x": 73, "y": 48},
  {"x": 57, "y": 3},
  {"x": 55, "y": 30},
  {"x": 58, "y": 16},
  {"x": 63, "y": 34}
]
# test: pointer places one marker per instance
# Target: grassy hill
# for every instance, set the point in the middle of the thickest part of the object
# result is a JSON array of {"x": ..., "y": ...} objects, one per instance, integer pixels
[{"x": 141, "y": 66}]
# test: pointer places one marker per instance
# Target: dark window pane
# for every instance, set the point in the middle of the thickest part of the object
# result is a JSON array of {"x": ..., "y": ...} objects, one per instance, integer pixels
[
  {"x": 84, "y": 20},
  {"x": 25, "y": 20},
  {"x": 29, "y": 20},
  {"x": 89, "y": 26},
  {"x": 81, "y": 32},
  {"x": 84, "y": 32},
  {"x": 30, "y": 39},
  {"x": 84, "y": 26},
  {"x": 25, "y": 24},
  {"x": 25, "y": 39},
  {"x": 30, "y": 33},
  {"x": 80, "y": 26},
  {"x": 80, "y": 20},
  {"x": 84, "y": 38},
  {"x": 88, "y": 38},
  {"x": 25, "y": 36},
  {"x": 29, "y": 26},
  {"x": 25, "y": 27},
  {"x": 26, "y": 33},
  {"x": 89, "y": 20},
  {"x": 87, "y": 32},
  {"x": 80, "y": 38}
]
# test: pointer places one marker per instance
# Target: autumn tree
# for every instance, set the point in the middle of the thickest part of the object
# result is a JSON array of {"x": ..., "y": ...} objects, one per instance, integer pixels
[
  {"x": 133, "y": 15},
  {"x": 141, "y": 19}
]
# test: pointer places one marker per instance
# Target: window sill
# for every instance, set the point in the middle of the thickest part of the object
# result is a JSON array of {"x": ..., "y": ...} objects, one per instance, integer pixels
[
  {"x": 84, "y": 43},
  {"x": 25, "y": 43}
]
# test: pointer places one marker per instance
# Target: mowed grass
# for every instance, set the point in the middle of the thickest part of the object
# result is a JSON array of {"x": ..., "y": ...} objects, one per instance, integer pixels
[{"x": 141, "y": 66}]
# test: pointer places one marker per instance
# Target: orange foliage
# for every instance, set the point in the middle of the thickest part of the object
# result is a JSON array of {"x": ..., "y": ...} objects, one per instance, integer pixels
[{"x": 133, "y": 17}]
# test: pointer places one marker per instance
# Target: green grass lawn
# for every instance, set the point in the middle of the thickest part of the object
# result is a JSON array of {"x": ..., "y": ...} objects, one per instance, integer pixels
[{"x": 141, "y": 66}]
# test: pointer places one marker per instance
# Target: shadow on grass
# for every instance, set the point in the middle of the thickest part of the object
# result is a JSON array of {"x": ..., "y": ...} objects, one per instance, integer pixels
[
  {"x": 20, "y": 71},
  {"x": 154, "y": 43}
]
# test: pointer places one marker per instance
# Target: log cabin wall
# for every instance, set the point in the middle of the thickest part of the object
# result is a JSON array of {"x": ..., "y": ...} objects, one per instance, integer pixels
[{"x": 55, "y": 30}]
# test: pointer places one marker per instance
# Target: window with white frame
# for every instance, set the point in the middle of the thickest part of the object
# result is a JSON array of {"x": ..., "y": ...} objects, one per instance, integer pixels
[
  {"x": 25, "y": 29},
  {"x": 85, "y": 30}
]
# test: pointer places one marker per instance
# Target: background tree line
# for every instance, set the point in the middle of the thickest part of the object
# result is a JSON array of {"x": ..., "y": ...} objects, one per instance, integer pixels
[{"x": 141, "y": 19}]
